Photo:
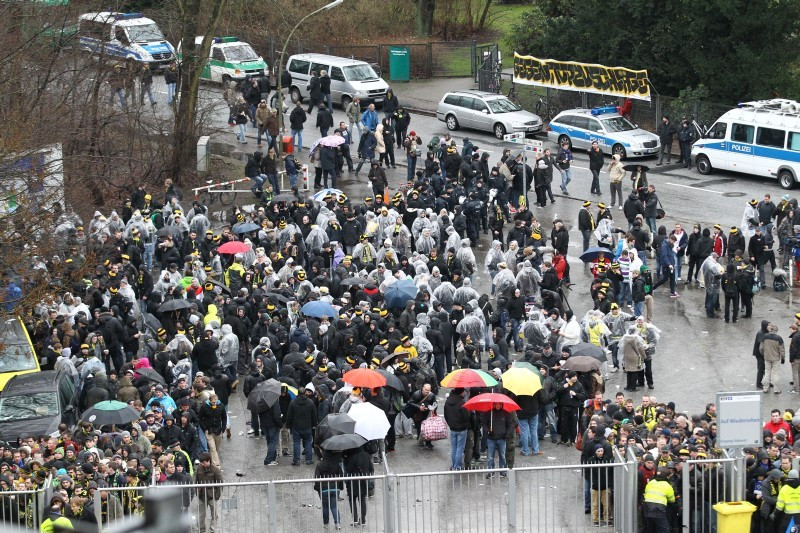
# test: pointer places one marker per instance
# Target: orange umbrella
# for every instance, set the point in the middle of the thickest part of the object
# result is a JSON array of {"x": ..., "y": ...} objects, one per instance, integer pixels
[{"x": 365, "y": 378}]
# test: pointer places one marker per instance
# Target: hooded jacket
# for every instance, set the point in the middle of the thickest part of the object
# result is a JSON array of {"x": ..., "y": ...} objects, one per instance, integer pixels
[
  {"x": 456, "y": 416},
  {"x": 228, "y": 345}
]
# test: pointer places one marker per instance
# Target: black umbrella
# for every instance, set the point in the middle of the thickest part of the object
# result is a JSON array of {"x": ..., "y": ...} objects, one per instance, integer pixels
[
  {"x": 151, "y": 322},
  {"x": 224, "y": 288},
  {"x": 581, "y": 363},
  {"x": 392, "y": 381},
  {"x": 635, "y": 166},
  {"x": 343, "y": 442},
  {"x": 151, "y": 374},
  {"x": 245, "y": 227},
  {"x": 589, "y": 350},
  {"x": 338, "y": 423},
  {"x": 275, "y": 297},
  {"x": 284, "y": 197},
  {"x": 111, "y": 412},
  {"x": 264, "y": 396},
  {"x": 169, "y": 230},
  {"x": 174, "y": 305},
  {"x": 349, "y": 282}
]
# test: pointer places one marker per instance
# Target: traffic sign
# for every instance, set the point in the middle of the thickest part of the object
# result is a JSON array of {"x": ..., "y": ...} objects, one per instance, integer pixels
[
  {"x": 514, "y": 137},
  {"x": 533, "y": 142},
  {"x": 533, "y": 147}
]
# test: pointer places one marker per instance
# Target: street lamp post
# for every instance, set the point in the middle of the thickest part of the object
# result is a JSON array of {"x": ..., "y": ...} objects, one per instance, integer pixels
[{"x": 283, "y": 53}]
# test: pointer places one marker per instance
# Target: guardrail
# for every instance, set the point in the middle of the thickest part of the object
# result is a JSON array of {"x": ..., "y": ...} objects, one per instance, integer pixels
[{"x": 230, "y": 186}]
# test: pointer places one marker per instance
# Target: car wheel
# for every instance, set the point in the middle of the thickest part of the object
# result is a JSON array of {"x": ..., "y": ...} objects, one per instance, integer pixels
[
  {"x": 226, "y": 80},
  {"x": 618, "y": 149},
  {"x": 295, "y": 94},
  {"x": 452, "y": 122},
  {"x": 786, "y": 179},
  {"x": 499, "y": 131},
  {"x": 346, "y": 100},
  {"x": 565, "y": 139},
  {"x": 703, "y": 165}
]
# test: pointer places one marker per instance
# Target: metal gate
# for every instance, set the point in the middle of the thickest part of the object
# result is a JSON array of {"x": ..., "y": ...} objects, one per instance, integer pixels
[{"x": 489, "y": 68}]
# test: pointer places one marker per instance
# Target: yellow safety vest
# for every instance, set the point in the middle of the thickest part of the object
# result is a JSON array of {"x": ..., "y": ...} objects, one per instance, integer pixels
[
  {"x": 659, "y": 492},
  {"x": 789, "y": 500}
]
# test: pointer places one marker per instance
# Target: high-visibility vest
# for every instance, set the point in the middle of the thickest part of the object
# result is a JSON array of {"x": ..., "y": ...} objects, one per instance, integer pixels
[
  {"x": 789, "y": 500},
  {"x": 660, "y": 492}
]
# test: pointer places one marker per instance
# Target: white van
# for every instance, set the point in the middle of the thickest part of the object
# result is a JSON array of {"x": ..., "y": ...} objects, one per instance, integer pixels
[
  {"x": 125, "y": 36},
  {"x": 761, "y": 138},
  {"x": 230, "y": 59},
  {"x": 350, "y": 78}
]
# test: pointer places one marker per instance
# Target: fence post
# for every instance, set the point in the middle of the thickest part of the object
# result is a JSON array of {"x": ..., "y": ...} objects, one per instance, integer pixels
[
  {"x": 389, "y": 509},
  {"x": 473, "y": 51},
  {"x": 685, "y": 495},
  {"x": 272, "y": 509},
  {"x": 512, "y": 498},
  {"x": 429, "y": 60},
  {"x": 272, "y": 53},
  {"x": 658, "y": 109},
  {"x": 98, "y": 509},
  {"x": 632, "y": 510}
]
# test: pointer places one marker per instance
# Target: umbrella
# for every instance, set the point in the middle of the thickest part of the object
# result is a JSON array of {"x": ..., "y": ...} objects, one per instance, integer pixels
[
  {"x": 466, "y": 378},
  {"x": 174, "y": 305},
  {"x": 224, "y": 288},
  {"x": 151, "y": 322},
  {"x": 338, "y": 423},
  {"x": 486, "y": 401},
  {"x": 277, "y": 298},
  {"x": 319, "y": 309},
  {"x": 110, "y": 412},
  {"x": 264, "y": 396},
  {"x": 348, "y": 282},
  {"x": 392, "y": 381},
  {"x": 581, "y": 363},
  {"x": 399, "y": 293},
  {"x": 371, "y": 422},
  {"x": 525, "y": 364},
  {"x": 340, "y": 443},
  {"x": 632, "y": 167},
  {"x": 245, "y": 227},
  {"x": 169, "y": 230},
  {"x": 151, "y": 374},
  {"x": 592, "y": 253},
  {"x": 234, "y": 247},
  {"x": 284, "y": 197},
  {"x": 365, "y": 378},
  {"x": 331, "y": 141},
  {"x": 521, "y": 381},
  {"x": 320, "y": 196},
  {"x": 589, "y": 350}
]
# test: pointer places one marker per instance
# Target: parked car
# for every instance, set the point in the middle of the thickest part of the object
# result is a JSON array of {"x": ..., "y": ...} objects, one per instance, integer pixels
[
  {"x": 35, "y": 404},
  {"x": 17, "y": 354},
  {"x": 350, "y": 78},
  {"x": 486, "y": 111},
  {"x": 615, "y": 133}
]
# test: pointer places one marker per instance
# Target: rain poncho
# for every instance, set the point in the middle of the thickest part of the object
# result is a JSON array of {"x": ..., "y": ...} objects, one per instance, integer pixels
[
  {"x": 364, "y": 253},
  {"x": 528, "y": 281},
  {"x": 425, "y": 242},
  {"x": 618, "y": 323},
  {"x": 511, "y": 256},
  {"x": 472, "y": 326},
  {"x": 228, "y": 346},
  {"x": 504, "y": 283},
  {"x": 494, "y": 257},
  {"x": 400, "y": 237},
  {"x": 453, "y": 239},
  {"x": 137, "y": 222},
  {"x": 419, "y": 224},
  {"x": 650, "y": 334},
  {"x": 748, "y": 218},
  {"x": 285, "y": 234},
  {"x": 467, "y": 258},
  {"x": 445, "y": 293},
  {"x": 316, "y": 238},
  {"x": 386, "y": 220},
  {"x": 534, "y": 330},
  {"x": 465, "y": 293},
  {"x": 594, "y": 328},
  {"x": 605, "y": 234},
  {"x": 421, "y": 343},
  {"x": 435, "y": 279}
]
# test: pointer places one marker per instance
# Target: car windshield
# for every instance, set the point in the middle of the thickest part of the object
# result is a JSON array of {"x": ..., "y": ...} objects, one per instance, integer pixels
[
  {"x": 28, "y": 406},
  {"x": 618, "y": 124},
  {"x": 142, "y": 33},
  {"x": 243, "y": 52},
  {"x": 502, "y": 105},
  {"x": 359, "y": 73},
  {"x": 16, "y": 353}
]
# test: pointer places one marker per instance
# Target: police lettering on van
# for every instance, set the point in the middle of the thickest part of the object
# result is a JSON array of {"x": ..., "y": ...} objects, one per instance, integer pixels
[
  {"x": 761, "y": 138},
  {"x": 125, "y": 36}
]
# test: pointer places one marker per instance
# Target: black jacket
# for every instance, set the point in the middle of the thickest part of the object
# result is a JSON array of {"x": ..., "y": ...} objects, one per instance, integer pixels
[
  {"x": 212, "y": 420},
  {"x": 456, "y": 416},
  {"x": 297, "y": 118},
  {"x": 596, "y": 160},
  {"x": 585, "y": 221},
  {"x": 302, "y": 413},
  {"x": 324, "y": 118}
]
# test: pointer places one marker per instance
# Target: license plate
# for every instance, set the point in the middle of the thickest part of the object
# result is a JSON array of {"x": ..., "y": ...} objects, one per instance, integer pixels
[{"x": 379, "y": 99}]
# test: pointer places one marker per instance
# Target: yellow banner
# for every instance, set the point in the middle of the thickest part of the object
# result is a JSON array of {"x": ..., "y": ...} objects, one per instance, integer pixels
[{"x": 585, "y": 77}]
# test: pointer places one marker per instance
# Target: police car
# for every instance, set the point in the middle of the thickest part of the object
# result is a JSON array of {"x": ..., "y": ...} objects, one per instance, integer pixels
[
  {"x": 614, "y": 133},
  {"x": 129, "y": 36},
  {"x": 230, "y": 59}
]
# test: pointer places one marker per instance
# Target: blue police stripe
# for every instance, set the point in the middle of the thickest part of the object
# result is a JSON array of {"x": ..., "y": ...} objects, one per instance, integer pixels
[
  {"x": 584, "y": 135},
  {"x": 780, "y": 154}
]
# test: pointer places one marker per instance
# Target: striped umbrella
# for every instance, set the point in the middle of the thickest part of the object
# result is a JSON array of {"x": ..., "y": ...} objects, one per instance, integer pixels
[{"x": 465, "y": 378}]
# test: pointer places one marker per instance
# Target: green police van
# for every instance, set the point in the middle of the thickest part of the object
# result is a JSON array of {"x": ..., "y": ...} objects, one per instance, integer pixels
[{"x": 230, "y": 59}]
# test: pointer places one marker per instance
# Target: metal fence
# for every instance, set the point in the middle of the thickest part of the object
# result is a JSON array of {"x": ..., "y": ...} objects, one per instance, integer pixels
[
  {"x": 705, "y": 482},
  {"x": 23, "y": 510}
]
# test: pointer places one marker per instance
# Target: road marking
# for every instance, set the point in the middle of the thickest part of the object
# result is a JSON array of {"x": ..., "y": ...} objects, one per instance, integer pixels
[{"x": 694, "y": 188}]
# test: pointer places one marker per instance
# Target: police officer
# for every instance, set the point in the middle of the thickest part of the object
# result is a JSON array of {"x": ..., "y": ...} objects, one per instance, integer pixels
[
  {"x": 472, "y": 211},
  {"x": 658, "y": 494},
  {"x": 789, "y": 500}
]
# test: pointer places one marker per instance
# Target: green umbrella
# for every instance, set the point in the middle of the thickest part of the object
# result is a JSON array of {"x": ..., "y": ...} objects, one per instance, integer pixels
[
  {"x": 110, "y": 412},
  {"x": 532, "y": 368}
]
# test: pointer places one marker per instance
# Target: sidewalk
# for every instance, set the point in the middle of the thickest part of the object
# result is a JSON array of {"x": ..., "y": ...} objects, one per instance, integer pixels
[{"x": 422, "y": 96}]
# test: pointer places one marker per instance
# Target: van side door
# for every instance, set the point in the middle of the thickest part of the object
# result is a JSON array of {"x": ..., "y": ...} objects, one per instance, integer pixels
[
  {"x": 741, "y": 148},
  {"x": 338, "y": 85}
]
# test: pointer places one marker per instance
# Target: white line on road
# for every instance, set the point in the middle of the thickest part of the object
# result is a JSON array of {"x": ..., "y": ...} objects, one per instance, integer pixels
[{"x": 694, "y": 188}]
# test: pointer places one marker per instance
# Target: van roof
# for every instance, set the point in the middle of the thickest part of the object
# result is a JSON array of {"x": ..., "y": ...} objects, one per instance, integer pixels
[
  {"x": 332, "y": 60},
  {"x": 108, "y": 17},
  {"x": 765, "y": 115}
]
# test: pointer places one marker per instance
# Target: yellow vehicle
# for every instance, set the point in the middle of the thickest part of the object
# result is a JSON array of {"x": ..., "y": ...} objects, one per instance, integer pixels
[{"x": 17, "y": 355}]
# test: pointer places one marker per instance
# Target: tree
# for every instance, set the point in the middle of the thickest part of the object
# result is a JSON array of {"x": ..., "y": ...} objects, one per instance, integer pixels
[
  {"x": 720, "y": 44},
  {"x": 423, "y": 18}
]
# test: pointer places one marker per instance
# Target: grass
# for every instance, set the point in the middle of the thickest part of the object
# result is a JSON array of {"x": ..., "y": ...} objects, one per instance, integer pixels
[{"x": 503, "y": 18}]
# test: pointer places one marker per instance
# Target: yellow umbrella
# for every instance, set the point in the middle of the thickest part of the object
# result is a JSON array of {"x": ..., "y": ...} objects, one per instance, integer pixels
[{"x": 521, "y": 381}]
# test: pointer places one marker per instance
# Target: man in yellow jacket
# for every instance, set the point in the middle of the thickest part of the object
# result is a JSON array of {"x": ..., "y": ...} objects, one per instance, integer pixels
[
  {"x": 789, "y": 501},
  {"x": 658, "y": 493}
]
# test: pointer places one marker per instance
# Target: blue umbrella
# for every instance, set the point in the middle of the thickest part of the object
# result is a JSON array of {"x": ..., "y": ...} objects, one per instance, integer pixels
[
  {"x": 245, "y": 227},
  {"x": 400, "y": 292},
  {"x": 593, "y": 251},
  {"x": 319, "y": 309},
  {"x": 321, "y": 194}
]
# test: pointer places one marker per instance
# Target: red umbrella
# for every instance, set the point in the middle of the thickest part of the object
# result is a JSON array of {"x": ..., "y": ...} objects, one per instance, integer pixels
[
  {"x": 234, "y": 247},
  {"x": 486, "y": 401},
  {"x": 365, "y": 378}
]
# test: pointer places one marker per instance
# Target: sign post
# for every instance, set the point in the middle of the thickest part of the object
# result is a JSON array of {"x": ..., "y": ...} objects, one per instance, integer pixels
[{"x": 739, "y": 419}]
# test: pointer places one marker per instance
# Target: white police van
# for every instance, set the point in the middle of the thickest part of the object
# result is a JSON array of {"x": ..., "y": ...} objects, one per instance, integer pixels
[
  {"x": 613, "y": 132},
  {"x": 761, "y": 138},
  {"x": 230, "y": 59},
  {"x": 129, "y": 36}
]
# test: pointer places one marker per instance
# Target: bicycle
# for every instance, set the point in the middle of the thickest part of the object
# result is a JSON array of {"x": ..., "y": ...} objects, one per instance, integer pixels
[
  {"x": 545, "y": 111},
  {"x": 512, "y": 94},
  {"x": 211, "y": 195}
]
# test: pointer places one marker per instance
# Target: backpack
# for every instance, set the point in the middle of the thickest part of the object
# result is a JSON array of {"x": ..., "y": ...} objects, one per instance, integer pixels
[{"x": 433, "y": 145}]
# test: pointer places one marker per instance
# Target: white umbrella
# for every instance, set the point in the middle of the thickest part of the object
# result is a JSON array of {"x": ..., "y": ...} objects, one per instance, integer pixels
[{"x": 371, "y": 422}]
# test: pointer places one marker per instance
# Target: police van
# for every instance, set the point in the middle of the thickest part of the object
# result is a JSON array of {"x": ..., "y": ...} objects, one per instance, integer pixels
[
  {"x": 129, "y": 36},
  {"x": 761, "y": 138},
  {"x": 230, "y": 59}
]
